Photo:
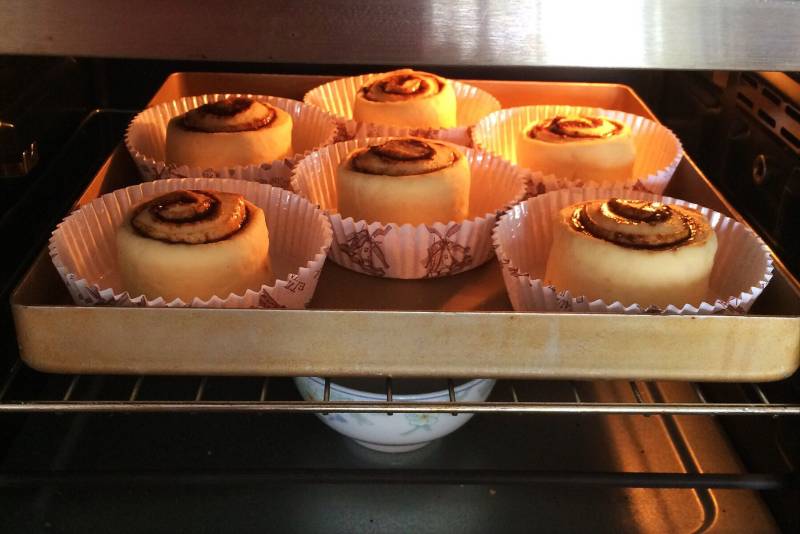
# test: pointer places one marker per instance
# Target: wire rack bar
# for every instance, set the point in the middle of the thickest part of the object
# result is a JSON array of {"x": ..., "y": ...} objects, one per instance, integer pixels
[
  {"x": 402, "y": 407},
  {"x": 195, "y": 402},
  {"x": 762, "y": 397},
  {"x": 752, "y": 481},
  {"x": 389, "y": 393},
  {"x": 201, "y": 389},
  {"x": 12, "y": 374},
  {"x": 699, "y": 392},
  {"x": 71, "y": 388},
  {"x": 137, "y": 386},
  {"x": 575, "y": 393},
  {"x": 637, "y": 394},
  {"x": 262, "y": 396}
]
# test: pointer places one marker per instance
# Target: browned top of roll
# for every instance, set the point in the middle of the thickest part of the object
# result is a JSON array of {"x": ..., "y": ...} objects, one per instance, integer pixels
[
  {"x": 639, "y": 224},
  {"x": 404, "y": 84},
  {"x": 233, "y": 114},
  {"x": 576, "y": 127},
  {"x": 190, "y": 216},
  {"x": 404, "y": 156}
]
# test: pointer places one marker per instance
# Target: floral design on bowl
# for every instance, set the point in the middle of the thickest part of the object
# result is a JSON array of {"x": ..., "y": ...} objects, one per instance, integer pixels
[{"x": 398, "y": 432}]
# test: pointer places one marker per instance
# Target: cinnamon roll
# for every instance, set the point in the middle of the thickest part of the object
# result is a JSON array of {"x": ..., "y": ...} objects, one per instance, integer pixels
[
  {"x": 233, "y": 131},
  {"x": 578, "y": 148},
  {"x": 404, "y": 180},
  {"x": 188, "y": 244},
  {"x": 632, "y": 251},
  {"x": 407, "y": 98}
]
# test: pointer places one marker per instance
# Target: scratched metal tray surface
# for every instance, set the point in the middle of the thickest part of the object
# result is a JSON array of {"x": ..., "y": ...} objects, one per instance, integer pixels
[{"x": 459, "y": 326}]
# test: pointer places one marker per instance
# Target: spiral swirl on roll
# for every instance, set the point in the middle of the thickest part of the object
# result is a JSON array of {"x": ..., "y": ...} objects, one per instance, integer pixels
[
  {"x": 191, "y": 217},
  {"x": 638, "y": 223},
  {"x": 561, "y": 128},
  {"x": 233, "y": 114},
  {"x": 400, "y": 85},
  {"x": 404, "y": 156}
]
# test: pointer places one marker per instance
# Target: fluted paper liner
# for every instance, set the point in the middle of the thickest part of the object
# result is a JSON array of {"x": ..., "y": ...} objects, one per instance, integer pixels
[
  {"x": 392, "y": 250},
  {"x": 522, "y": 239},
  {"x": 146, "y": 140},
  {"x": 337, "y": 97},
  {"x": 658, "y": 150},
  {"x": 83, "y": 246}
]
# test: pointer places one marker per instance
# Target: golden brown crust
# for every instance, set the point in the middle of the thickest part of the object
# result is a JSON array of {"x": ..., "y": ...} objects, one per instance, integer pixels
[
  {"x": 402, "y": 85},
  {"x": 404, "y": 156},
  {"x": 190, "y": 217},
  {"x": 234, "y": 114},
  {"x": 639, "y": 224},
  {"x": 574, "y": 128}
]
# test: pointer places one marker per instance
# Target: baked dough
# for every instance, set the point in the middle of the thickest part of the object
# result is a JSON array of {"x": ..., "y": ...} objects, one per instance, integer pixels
[
  {"x": 188, "y": 244},
  {"x": 404, "y": 180},
  {"x": 632, "y": 251},
  {"x": 407, "y": 98},
  {"x": 234, "y": 131},
  {"x": 581, "y": 147}
]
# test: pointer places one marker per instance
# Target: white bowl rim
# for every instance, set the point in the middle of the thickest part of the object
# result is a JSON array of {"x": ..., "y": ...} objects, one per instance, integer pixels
[{"x": 379, "y": 396}]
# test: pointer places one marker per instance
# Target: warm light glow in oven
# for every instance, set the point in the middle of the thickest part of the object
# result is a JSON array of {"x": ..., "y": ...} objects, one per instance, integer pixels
[
  {"x": 602, "y": 30},
  {"x": 620, "y": 30}
]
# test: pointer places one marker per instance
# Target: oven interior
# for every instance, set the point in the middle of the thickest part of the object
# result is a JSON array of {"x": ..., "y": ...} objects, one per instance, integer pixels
[{"x": 138, "y": 453}]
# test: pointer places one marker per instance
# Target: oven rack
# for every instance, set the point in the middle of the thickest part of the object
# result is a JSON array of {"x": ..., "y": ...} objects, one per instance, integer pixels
[{"x": 26, "y": 390}]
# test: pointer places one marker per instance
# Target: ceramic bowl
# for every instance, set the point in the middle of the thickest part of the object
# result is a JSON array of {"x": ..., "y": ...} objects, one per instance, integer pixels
[{"x": 399, "y": 432}]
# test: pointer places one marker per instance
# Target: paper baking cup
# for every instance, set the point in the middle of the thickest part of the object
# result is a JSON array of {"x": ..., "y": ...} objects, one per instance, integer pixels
[
  {"x": 83, "y": 246},
  {"x": 337, "y": 97},
  {"x": 146, "y": 140},
  {"x": 406, "y": 251},
  {"x": 658, "y": 150},
  {"x": 742, "y": 266}
]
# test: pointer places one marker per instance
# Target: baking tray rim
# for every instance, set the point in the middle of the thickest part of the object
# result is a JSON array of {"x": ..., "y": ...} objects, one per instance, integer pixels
[{"x": 22, "y": 310}]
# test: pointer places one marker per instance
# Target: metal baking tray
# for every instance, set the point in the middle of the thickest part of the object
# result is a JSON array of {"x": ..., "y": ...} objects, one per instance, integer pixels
[{"x": 461, "y": 326}]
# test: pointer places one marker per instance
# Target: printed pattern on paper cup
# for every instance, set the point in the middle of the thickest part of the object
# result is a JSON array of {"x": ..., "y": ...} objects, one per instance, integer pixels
[
  {"x": 365, "y": 250},
  {"x": 445, "y": 256},
  {"x": 404, "y": 251}
]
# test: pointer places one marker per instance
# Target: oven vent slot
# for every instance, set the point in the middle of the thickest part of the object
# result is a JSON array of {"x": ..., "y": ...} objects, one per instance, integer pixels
[
  {"x": 791, "y": 138},
  {"x": 772, "y": 97},
  {"x": 744, "y": 100},
  {"x": 793, "y": 113},
  {"x": 770, "y": 108},
  {"x": 766, "y": 118},
  {"x": 750, "y": 80}
]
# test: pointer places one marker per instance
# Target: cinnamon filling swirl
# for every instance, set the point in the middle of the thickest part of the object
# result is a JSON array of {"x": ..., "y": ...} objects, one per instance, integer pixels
[
  {"x": 574, "y": 128},
  {"x": 234, "y": 114},
  {"x": 402, "y": 85},
  {"x": 404, "y": 157},
  {"x": 191, "y": 217},
  {"x": 636, "y": 223}
]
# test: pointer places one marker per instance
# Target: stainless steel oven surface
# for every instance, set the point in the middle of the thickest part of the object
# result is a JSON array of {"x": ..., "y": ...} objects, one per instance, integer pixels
[{"x": 139, "y": 448}]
